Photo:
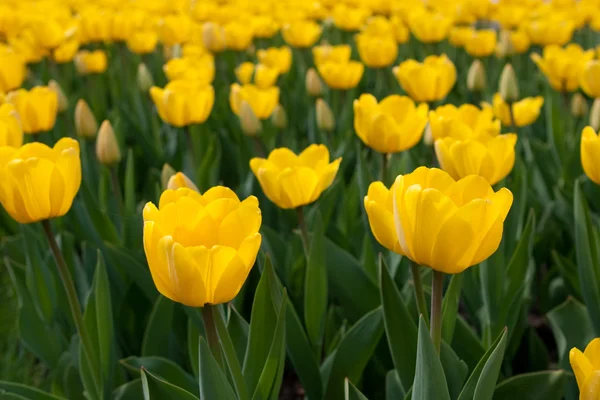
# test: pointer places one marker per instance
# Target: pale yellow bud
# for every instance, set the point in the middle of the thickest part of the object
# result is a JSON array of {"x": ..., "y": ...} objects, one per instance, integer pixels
[
  {"x": 579, "y": 106},
  {"x": 509, "y": 86},
  {"x": 428, "y": 135},
  {"x": 107, "y": 147},
  {"x": 476, "y": 77},
  {"x": 314, "y": 87},
  {"x": 165, "y": 175},
  {"x": 251, "y": 125},
  {"x": 144, "y": 78},
  {"x": 325, "y": 119},
  {"x": 504, "y": 47},
  {"x": 595, "y": 115},
  {"x": 63, "y": 102},
  {"x": 279, "y": 117},
  {"x": 85, "y": 123},
  {"x": 180, "y": 180}
]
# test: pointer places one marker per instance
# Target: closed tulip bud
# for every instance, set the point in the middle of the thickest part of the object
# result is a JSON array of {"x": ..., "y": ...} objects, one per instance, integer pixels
[
  {"x": 182, "y": 252},
  {"x": 504, "y": 47},
  {"x": 251, "y": 125},
  {"x": 213, "y": 37},
  {"x": 144, "y": 78},
  {"x": 63, "y": 102},
  {"x": 180, "y": 180},
  {"x": 314, "y": 87},
  {"x": 107, "y": 147},
  {"x": 291, "y": 180},
  {"x": 579, "y": 106},
  {"x": 428, "y": 135},
  {"x": 325, "y": 118},
  {"x": 509, "y": 86},
  {"x": 585, "y": 367},
  {"x": 476, "y": 77},
  {"x": 279, "y": 117},
  {"x": 86, "y": 124},
  {"x": 595, "y": 114},
  {"x": 165, "y": 175}
]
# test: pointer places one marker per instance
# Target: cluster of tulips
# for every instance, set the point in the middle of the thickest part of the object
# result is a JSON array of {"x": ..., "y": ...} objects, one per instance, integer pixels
[{"x": 299, "y": 104}]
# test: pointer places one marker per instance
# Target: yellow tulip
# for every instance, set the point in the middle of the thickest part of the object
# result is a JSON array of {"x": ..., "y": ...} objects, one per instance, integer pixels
[
  {"x": 377, "y": 51},
  {"x": 339, "y": 54},
  {"x": 400, "y": 30},
  {"x": 279, "y": 58},
  {"x": 39, "y": 182},
  {"x": 510, "y": 16},
  {"x": 429, "y": 27},
  {"x": 547, "y": 31},
  {"x": 48, "y": 32},
  {"x": 379, "y": 204},
  {"x": 213, "y": 37},
  {"x": 37, "y": 108},
  {"x": 525, "y": 111},
  {"x": 481, "y": 43},
  {"x": 349, "y": 18},
  {"x": 262, "y": 101},
  {"x": 200, "y": 69},
  {"x": 341, "y": 75},
  {"x": 125, "y": 23},
  {"x": 264, "y": 26},
  {"x": 586, "y": 367},
  {"x": 244, "y": 72},
  {"x": 95, "y": 24},
  {"x": 12, "y": 70},
  {"x": 86, "y": 124},
  {"x": 590, "y": 154},
  {"x": 175, "y": 29},
  {"x": 91, "y": 62},
  {"x": 590, "y": 78},
  {"x": 200, "y": 248},
  {"x": 562, "y": 67},
  {"x": 395, "y": 124},
  {"x": 464, "y": 122},
  {"x": 491, "y": 157},
  {"x": 142, "y": 42},
  {"x": 238, "y": 35},
  {"x": 430, "y": 80},
  {"x": 180, "y": 180},
  {"x": 378, "y": 26},
  {"x": 520, "y": 41},
  {"x": 302, "y": 33},
  {"x": 459, "y": 35},
  {"x": 291, "y": 180},
  {"x": 11, "y": 133},
  {"x": 183, "y": 102},
  {"x": 444, "y": 224},
  {"x": 66, "y": 51}
]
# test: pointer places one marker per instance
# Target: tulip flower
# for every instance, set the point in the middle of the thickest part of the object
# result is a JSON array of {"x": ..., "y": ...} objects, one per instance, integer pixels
[
  {"x": 107, "y": 147},
  {"x": 464, "y": 122},
  {"x": 95, "y": 24},
  {"x": 39, "y": 182},
  {"x": 66, "y": 51},
  {"x": 213, "y": 37},
  {"x": 183, "y": 102},
  {"x": 238, "y": 36},
  {"x": 430, "y": 80},
  {"x": 563, "y": 67},
  {"x": 124, "y": 23},
  {"x": 339, "y": 54},
  {"x": 429, "y": 27},
  {"x": 590, "y": 154},
  {"x": 279, "y": 58},
  {"x": 91, "y": 62},
  {"x": 590, "y": 78},
  {"x": 524, "y": 112},
  {"x": 520, "y": 41},
  {"x": 200, "y": 69},
  {"x": 349, "y": 18},
  {"x": 341, "y": 75},
  {"x": 86, "y": 124},
  {"x": 586, "y": 367},
  {"x": 180, "y": 180},
  {"x": 481, "y": 43},
  {"x": 292, "y": 181},
  {"x": 244, "y": 72},
  {"x": 395, "y": 124},
  {"x": 302, "y": 33},
  {"x": 12, "y": 69},
  {"x": 11, "y": 133},
  {"x": 262, "y": 101},
  {"x": 175, "y": 29},
  {"x": 201, "y": 247},
  {"x": 400, "y": 30},
  {"x": 378, "y": 26},
  {"x": 37, "y": 108},
  {"x": 48, "y": 32},
  {"x": 264, "y": 26},
  {"x": 377, "y": 51},
  {"x": 142, "y": 42},
  {"x": 549, "y": 30},
  {"x": 459, "y": 35}
]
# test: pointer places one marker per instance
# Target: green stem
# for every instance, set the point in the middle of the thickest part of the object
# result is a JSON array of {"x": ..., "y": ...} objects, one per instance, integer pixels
[
  {"x": 384, "y": 167},
  {"x": 436, "y": 310},
  {"x": 419, "y": 293},
  {"x": 74, "y": 305},
  {"x": 211, "y": 333},
  {"x": 116, "y": 187},
  {"x": 303, "y": 230}
]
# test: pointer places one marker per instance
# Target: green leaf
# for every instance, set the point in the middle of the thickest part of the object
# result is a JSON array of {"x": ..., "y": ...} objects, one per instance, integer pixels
[
  {"x": 315, "y": 286},
  {"x": 450, "y": 307},
  {"x": 155, "y": 388},
  {"x": 351, "y": 392},
  {"x": 132, "y": 390},
  {"x": 156, "y": 336},
  {"x": 238, "y": 330},
  {"x": 130, "y": 183},
  {"x": 134, "y": 268},
  {"x": 400, "y": 328},
  {"x": 430, "y": 381},
  {"x": 482, "y": 381},
  {"x": 466, "y": 344},
  {"x": 393, "y": 387},
  {"x": 455, "y": 369},
  {"x": 164, "y": 368},
  {"x": 354, "y": 351},
  {"x": 587, "y": 257},
  {"x": 193, "y": 334},
  {"x": 213, "y": 382},
  {"x": 27, "y": 392},
  {"x": 543, "y": 385}
]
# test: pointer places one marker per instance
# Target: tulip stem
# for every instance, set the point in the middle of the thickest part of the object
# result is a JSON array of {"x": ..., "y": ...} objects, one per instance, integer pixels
[
  {"x": 436, "y": 310},
  {"x": 116, "y": 187},
  {"x": 419, "y": 293},
  {"x": 303, "y": 230},
  {"x": 384, "y": 166},
  {"x": 74, "y": 305},
  {"x": 192, "y": 149},
  {"x": 211, "y": 333}
]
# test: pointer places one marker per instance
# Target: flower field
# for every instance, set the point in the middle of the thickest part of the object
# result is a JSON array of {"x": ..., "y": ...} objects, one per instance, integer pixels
[{"x": 260, "y": 200}]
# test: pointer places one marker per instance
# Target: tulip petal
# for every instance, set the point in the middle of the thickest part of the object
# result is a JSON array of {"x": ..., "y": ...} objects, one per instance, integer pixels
[
  {"x": 298, "y": 186},
  {"x": 582, "y": 367},
  {"x": 238, "y": 225}
]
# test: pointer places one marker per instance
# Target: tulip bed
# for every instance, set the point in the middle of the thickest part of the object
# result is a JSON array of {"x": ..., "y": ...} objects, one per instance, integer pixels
[{"x": 291, "y": 199}]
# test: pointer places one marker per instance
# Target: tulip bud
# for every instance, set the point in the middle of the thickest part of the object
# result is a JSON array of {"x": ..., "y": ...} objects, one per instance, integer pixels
[
  {"x": 325, "y": 119},
  {"x": 251, "y": 125},
  {"x": 595, "y": 115},
  {"x": 85, "y": 123},
  {"x": 180, "y": 180},
  {"x": 509, "y": 86},
  {"x": 279, "y": 117},
  {"x": 165, "y": 175},
  {"x": 505, "y": 46},
  {"x": 63, "y": 102},
  {"x": 476, "y": 77},
  {"x": 144, "y": 78},
  {"x": 107, "y": 148},
  {"x": 579, "y": 106},
  {"x": 314, "y": 87},
  {"x": 428, "y": 135}
]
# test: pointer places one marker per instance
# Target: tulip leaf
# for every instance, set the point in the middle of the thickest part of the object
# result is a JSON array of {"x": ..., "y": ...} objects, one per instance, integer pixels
[
  {"x": 486, "y": 372},
  {"x": 11, "y": 396},
  {"x": 393, "y": 387},
  {"x": 193, "y": 334},
  {"x": 155, "y": 388},
  {"x": 351, "y": 392},
  {"x": 132, "y": 390},
  {"x": 400, "y": 328},
  {"x": 542, "y": 385},
  {"x": 129, "y": 191},
  {"x": 213, "y": 382},
  {"x": 158, "y": 329},
  {"x": 430, "y": 380},
  {"x": 466, "y": 344},
  {"x": 27, "y": 392},
  {"x": 163, "y": 368},
  {"x": 315, "y": 286},
  {"x": 134, "y": 268},
  {"x": 456, "y": 370},
  {"x": 586, "y": 248},
  {"x": 354, "y": 351},
  {"x": 450, "y": 307},
  {"x": 238, "y": 330}
]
